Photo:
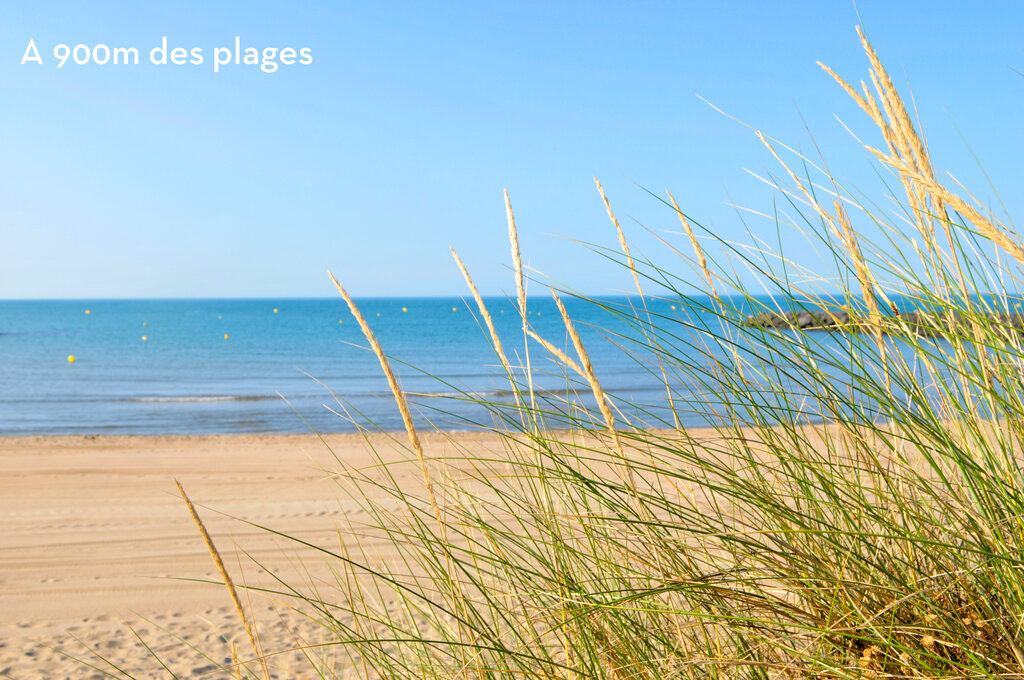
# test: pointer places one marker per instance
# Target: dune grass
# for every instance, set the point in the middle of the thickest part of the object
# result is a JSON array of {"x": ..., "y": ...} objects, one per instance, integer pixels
[{"x": 854, "y": 507}]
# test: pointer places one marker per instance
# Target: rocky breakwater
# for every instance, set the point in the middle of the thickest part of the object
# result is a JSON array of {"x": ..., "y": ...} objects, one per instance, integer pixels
[
  {"x": 837, "y": 320},
  {"x": 915, "y": 321}
]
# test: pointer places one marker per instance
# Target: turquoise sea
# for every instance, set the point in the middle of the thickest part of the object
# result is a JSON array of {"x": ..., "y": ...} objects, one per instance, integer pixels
[
  {"x": 276, "y": 371},
  {"x": 206, "y": 366}
]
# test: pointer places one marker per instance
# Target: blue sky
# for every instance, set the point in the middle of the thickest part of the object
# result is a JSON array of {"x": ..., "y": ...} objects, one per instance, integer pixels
[{"x": 396, "y": 142}]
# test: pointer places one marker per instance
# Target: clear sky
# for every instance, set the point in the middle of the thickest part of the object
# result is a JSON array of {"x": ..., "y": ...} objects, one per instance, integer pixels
[{"x": 397, "y": 140}]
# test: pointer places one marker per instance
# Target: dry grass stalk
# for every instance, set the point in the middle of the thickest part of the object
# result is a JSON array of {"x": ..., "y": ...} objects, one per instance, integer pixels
[
  {"x": 603, "y": 404},
  {"x": 854, "y": 95},
  {"x": 639, "y": 289},
  {"x": 849, "y": 239},
  {"x": 919, "y": 153},
  {"x": 701, "y": 260},
  {"x": 235, "y": 664},
  {"x": 893, "y": 132},
  {"x": 829, "y": 219},
  {"x": 901, "y": 119},
  {"x": 396, "y": 390},
  {"x": 517, "y": 262},
  {"x": 228, "y": 583},
  {"x": 588, "y": 373},
  {"x": 988, "y": 228},
  {"x": 876, "y": 115},
  {"x": 622, "y": 237},
  {"x": 909, "y": 157},
  {"x": 488, "y": 321},
  {"x": 557, "y": 353},
  {"x": 840, "y": 226},
  {"x": 811, "y": 200},
  {"x": 410, "y": 428},
  {"x": 517, "y": 268},
  {"x": 904, "y": 142},
  {"x": 914, "y": 198},
  {"x": 898, "y": 131}
]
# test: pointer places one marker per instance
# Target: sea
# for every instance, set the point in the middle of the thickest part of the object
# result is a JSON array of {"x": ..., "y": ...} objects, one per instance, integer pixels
[
  {"x": 217, "y": 366},
  {"x": 211, "y": 366}
]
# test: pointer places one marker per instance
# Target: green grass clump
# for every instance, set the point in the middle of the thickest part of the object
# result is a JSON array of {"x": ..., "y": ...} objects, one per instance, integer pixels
[{"x": 854, "y": 507}]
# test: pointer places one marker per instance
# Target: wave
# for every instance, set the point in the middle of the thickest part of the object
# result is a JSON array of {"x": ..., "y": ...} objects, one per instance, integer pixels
[
  {"x": 452, "y": 395},
  {"x": 201, "y": 398},
  {"x": 507, "y": 393}
]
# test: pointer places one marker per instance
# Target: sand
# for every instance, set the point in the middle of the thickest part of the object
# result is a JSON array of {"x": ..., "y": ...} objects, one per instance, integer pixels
[{"x": 94, "y": 539}]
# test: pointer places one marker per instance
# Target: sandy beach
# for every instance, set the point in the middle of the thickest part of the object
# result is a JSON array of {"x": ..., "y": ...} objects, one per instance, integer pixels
[{"x": 94, "y": 538}]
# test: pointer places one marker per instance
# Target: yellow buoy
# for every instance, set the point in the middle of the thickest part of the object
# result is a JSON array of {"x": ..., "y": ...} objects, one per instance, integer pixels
[
  {"x": 405, "y": 309},
  {"x": 341, "y": 321},
  {"x": 144, "y": 323},
  {"x": 71, "y": 358},
  {"x": 144, "y": 338},
  {"x": 275, "y": 310},
  {"x": 225, "y": 336},
  {"x": 88, "y": 312},
  {"x": 453, "y": 309},
  {"x": 378, "y": 313},
  {"x": 673, "y": 308}
]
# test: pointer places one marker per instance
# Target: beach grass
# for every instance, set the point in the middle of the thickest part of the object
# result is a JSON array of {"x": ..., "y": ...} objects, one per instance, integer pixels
[{"x": 852, "y": 509}]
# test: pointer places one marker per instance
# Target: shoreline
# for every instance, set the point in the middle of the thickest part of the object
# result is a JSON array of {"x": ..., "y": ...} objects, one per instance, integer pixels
[{"x": 90, "y": 436}]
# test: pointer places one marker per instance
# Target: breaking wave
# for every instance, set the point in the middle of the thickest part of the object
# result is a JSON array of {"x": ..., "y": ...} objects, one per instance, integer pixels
[{"x": 202, "y": 398}]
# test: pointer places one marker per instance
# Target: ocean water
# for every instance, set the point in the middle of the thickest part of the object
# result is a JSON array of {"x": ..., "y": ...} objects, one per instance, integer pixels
[
  {"x": 292, "y": 365},
  {"x": 223, "y": 366}
]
